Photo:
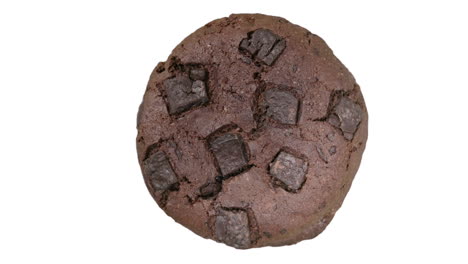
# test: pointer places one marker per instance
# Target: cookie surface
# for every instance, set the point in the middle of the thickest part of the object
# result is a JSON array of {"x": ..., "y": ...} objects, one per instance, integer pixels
[{"x": 251, "y": 132}]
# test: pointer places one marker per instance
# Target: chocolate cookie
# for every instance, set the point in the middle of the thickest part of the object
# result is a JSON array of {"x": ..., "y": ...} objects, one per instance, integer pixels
[{"x": 251, "y": 132}]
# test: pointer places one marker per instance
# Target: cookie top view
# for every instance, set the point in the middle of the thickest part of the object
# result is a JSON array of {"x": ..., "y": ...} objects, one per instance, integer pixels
[{"x": 251, "y": 132}]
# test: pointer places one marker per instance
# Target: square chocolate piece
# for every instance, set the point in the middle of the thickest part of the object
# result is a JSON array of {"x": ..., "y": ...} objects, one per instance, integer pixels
[
  {"x": 347, "y": 116},
  {"x": 289, "y": 170},
  {"x": 264, "y": 45},
  {"x": 281, "y": 106},
  {"x": 229, "y": 151},
  {"x": 159, "y": 171},
  {"x": 183, "y": 94},
  {"x": 232, "y": 227}
]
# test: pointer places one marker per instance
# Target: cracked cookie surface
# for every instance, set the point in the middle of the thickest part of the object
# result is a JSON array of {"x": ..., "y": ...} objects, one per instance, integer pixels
[{"x": 251, "y": 132}]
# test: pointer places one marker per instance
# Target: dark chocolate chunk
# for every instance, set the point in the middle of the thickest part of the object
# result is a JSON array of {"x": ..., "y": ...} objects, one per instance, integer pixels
[
  {"x": 274, "y": 53},
  {"x": 263, "y": 45},
  {"x": 159, "y": 171},
  {"x": 198, "y": 74},
  {"x": 182, "y": 94},
  {"x": 210, "y": 189},
  {"x": 281, "y": 106},
  {"x": 289, "y": 170},
  {"x": 346, "y": 115},
  {"x": 232, "y": 227},
  {"x": 230, "y": 153}
]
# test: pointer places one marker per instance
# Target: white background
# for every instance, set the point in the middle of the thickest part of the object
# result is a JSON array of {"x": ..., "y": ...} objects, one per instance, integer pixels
[{"x": 72, "y": 76}]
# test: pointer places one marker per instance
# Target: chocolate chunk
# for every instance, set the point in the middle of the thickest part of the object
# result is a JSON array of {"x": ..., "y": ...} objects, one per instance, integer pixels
[
  {"x": 198, "y": 74},
  {"x": 281, "y": 106},
  {"x": 232, "y": 228},
  {"x": 159, "y": 171},
  {"x": 346, "y": 115},
  {"x": 289, "y": 170},
  {"x": 210, "y": 189},
  {"x": 230, "y": 153},
  {"x": 263, "y": 45},
  {"x": 182, "y": 94},
  {"x": 275, "y": 52}
]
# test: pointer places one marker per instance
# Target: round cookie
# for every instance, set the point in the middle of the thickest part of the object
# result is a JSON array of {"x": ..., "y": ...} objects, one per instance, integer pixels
[{"x": 251, "y": 132}]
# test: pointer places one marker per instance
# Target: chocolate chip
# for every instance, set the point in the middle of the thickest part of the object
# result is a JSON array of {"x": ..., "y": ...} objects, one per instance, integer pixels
[
  {"x": 289, "y": 170},
  {"x": 232, "y": 227},
  {"x": 198, "y": 74},
  {"x": 281, "y": 106},
  {"x": 347, "y": 116},
  {"x": 274, "y": 53},
  {"x": 263, "y": 45},
  {"x": 159, "y": 171},
  {"x": 182, "y": 94},
  {"x": 210, "y": 189},
  {"x": 230, "y": 153}
]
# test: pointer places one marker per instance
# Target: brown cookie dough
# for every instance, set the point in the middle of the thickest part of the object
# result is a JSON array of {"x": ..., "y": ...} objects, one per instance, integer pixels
[{"x": 251, "y": 132}]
